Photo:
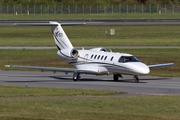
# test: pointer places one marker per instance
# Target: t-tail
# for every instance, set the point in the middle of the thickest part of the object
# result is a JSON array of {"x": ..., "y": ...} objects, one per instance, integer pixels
[
  {"x": 66, "y": 50},
  {"x": 60, "y": 37}
]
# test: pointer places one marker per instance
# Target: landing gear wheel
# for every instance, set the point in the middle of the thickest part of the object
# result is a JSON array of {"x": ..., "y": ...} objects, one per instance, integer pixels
[
  {"x": 136, "y": 79},
  {"x": 75, "y": 79},
  {"x": 76, "y": 76},
  {"x": 115, "y": 77}
]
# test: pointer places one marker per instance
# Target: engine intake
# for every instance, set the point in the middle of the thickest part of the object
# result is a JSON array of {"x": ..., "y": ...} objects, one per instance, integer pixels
[
  {"x": 68, "y": 53},
  {"x": 74, "y": 53}
]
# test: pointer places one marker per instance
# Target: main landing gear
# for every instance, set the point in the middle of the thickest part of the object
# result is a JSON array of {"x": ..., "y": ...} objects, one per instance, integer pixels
[
  {"x": 136, "y": 79},
  {"x": 116, "y": 77},
  {"x": 76, "y": 76}
]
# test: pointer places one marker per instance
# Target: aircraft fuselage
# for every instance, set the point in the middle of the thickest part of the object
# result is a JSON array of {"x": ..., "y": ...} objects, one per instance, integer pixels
[{"x": 104, "y": 62}]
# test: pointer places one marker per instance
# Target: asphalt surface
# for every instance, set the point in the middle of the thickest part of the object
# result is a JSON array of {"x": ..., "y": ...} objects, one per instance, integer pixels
[
  {"x": 146, "y": 85},
  {"x": 98, "y": 22}
]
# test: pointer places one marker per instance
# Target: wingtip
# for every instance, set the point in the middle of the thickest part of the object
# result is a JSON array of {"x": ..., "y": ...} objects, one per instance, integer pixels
[
  {"x": 170, "y": 64},
  {"x": 7, "y": 65}
]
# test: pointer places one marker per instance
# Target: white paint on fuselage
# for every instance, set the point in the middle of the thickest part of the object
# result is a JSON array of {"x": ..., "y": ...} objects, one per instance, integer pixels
[{"x": 102, "y": 66}]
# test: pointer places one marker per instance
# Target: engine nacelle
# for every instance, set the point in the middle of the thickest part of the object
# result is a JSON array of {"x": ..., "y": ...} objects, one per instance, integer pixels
[
  {"x": 99, "y": 49},
  {"x": 68, "y": 53}
]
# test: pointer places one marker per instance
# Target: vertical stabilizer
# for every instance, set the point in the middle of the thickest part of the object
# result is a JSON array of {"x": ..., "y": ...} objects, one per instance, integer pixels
[{"x": 60, "y": 37}]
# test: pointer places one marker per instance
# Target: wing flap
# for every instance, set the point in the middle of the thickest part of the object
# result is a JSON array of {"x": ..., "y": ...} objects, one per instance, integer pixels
[
  {"x": 161, "y": 65},
  {"x": 54, "y": 69}
]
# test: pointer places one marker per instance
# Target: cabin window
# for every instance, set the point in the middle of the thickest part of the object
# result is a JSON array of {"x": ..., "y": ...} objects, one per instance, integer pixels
[
  {"x": 98, "y": 57},
  {"x": 92, "y": 56},
  {"x": 105, "y": 58},
  {"x": 112, "y": 58},
  {"x": 95, "y": 56},
  {"x": 102, "y": 57},
  {"x": 128, "y": 59}
]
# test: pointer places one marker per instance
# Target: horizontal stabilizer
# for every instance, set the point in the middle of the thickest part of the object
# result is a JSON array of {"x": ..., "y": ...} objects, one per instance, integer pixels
[
  {"x": 54, "y": 69},
  {"x": 47, "y": 24},
  {"x": 161, "y": 65}
]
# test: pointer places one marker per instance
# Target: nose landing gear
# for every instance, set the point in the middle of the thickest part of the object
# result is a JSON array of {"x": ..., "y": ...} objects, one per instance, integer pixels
[
  {"x": 136, "y": 79},
  {"x": 115, "y": 77}
]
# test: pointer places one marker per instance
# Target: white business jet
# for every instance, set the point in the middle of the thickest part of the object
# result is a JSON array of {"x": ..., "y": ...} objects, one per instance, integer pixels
[{"x": 97, "y": 61}]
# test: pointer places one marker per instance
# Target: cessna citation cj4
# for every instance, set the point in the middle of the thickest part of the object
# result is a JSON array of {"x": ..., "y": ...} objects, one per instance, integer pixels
[{"x": 96, "y": 61}]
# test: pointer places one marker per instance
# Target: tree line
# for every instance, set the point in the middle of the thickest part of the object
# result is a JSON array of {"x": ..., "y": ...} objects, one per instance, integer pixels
[{"x": 88, "y": 2}]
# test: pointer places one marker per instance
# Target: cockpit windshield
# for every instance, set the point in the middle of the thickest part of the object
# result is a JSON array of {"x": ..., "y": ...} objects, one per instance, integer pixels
[{"x": 128, "y": 59}]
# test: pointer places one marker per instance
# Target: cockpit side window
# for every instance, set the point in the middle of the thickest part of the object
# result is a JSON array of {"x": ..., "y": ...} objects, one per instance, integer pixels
[
  {"x": 121, "y": 59},
  {"x": 128, "y": 59}
]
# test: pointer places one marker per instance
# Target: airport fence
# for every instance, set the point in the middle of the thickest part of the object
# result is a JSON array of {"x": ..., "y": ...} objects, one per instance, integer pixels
[{"x": 111, "y": 9}]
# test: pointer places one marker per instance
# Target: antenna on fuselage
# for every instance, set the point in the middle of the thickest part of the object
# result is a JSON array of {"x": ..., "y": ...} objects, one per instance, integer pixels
[{"x": 110, "y": 50}]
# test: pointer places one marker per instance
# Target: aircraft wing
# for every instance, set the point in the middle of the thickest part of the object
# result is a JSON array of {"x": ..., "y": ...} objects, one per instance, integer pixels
[
  {"x": 161, "y": 65},
  {"x": 47, "y": 24},
  {"x": 54, "y": 69}
]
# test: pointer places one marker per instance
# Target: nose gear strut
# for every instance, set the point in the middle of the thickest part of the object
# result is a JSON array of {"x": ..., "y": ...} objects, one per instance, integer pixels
[{"x": 136, "y": 79}]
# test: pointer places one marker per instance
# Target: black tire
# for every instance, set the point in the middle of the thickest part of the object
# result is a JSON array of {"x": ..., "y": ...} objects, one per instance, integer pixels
[
  {"x": 115, "y": 77},
  {"x": 136, "y": 80},
  {"x": 76, "y": 78}
]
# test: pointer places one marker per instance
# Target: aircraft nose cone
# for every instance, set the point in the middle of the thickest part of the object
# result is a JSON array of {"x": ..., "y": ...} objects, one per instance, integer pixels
[
  {"x": 145, "y": 70},
  {"x": 141, "y": 68}
]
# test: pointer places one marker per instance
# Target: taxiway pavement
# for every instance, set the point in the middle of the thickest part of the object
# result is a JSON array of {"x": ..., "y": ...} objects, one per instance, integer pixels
[
  {"x": 147, "y": 84},
  {"x": 99, "y": 22}
]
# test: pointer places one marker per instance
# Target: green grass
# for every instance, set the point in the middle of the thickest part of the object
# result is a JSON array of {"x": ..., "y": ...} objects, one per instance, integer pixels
[
  {"x": 22, "y": 91},
  {"x": 93, "y": 36},
  {"x": 115, "y": 108},
  {"x": 32, "y": 57},
  {"x": 89, "y": 16},
  {"x": 48, "y": 58}
]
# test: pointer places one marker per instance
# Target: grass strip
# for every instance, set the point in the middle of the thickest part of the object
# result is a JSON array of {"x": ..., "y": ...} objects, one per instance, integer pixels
[
  {"x": 49, "y": 58},
  {"x": 126, "y": 108},
  {"x": 121, "y": 16},
  {"x": 22, "y": 91},
  {"x": 92, "y": 36}
]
